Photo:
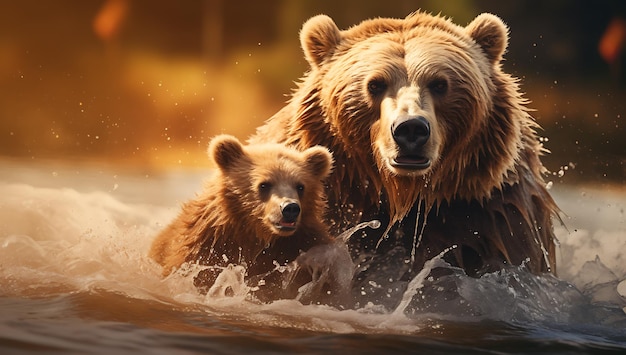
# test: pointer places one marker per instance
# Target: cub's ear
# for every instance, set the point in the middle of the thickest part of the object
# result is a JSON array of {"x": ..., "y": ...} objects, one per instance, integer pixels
[
  {"x": 319, "y": 161},
  {"x": 319, "y": 37},
  {"x": 491, "y": 34},
  {"x": 226, "y": 151}
]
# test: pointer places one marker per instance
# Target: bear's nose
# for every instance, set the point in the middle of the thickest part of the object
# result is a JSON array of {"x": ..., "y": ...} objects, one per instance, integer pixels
[
  {"x": 410, "y": 133},
  {"x": 290, "y": 211}
]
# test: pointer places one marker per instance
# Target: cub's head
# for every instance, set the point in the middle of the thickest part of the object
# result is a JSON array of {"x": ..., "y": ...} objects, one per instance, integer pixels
[{"x": 274, "y": 188}]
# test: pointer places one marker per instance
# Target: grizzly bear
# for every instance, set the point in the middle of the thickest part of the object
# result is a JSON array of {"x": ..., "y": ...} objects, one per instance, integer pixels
[
  {"x": 262, "y": 208},
  {"x": 430, "y": 136}
]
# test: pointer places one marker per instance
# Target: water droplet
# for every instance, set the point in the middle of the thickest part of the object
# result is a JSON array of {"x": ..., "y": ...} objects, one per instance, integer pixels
[{"x": 375, "y": 224}]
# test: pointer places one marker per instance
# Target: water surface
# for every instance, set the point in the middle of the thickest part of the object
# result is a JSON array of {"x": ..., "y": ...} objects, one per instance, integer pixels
[{"x": 75, "y": 278}]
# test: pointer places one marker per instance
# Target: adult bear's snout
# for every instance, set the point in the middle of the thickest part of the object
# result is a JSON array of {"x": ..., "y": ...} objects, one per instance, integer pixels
[{"x": 410, "y": 133}]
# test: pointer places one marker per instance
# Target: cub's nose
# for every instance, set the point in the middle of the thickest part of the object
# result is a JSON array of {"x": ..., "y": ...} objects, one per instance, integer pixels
[
  {"x": 290, "y": 211},
  {"x": 410, "y": 133}
]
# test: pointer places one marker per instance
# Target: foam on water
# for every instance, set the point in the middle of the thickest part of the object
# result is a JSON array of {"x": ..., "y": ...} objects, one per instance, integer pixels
[
  {"x": 64, "y": 239},
  {"x": 58, "y": 240}
]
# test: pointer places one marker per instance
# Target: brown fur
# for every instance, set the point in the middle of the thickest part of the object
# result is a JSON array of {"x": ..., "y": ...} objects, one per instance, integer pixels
[
  {"x": 233, "y": 219},
  {"x": 483, "y": 191}
]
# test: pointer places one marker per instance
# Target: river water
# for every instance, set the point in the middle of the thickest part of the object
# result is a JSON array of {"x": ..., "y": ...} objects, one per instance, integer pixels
[{"x": 75, "y": 278}]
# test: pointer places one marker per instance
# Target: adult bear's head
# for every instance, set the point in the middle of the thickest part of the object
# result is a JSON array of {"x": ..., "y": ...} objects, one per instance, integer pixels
[{"x": 423, "y": 100}]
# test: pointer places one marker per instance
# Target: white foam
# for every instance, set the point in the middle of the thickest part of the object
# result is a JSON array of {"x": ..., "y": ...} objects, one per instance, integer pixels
[
  {"x": 229, "y": 283},
  {"x": 595, "y": 225},
  {"x": 80, "y": 240}
]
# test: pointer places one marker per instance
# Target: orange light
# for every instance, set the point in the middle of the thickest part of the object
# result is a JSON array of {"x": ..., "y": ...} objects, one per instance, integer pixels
[
  {"x": 109, "y": 20},
  {"x": 613, "y": 40}
]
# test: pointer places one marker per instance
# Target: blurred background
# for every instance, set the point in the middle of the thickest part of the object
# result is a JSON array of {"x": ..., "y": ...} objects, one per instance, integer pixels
[{"x": 146, "y": 83}]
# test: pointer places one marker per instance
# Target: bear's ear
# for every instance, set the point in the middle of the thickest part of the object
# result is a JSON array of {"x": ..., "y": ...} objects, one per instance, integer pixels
[
  {"x": 319, "y": 161},
  {"x": 319, "y": 37},
  {"x": 491, "y": 34},
  {"x": 226, "y": 151}
]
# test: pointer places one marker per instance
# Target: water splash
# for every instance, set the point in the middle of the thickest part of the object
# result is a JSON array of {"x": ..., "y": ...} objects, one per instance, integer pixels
[
  {"x": 418, "y": 281},
  {"x": 345, "y": 236},
  {"x": 229, "y": 283},
  {"x": 330, "y": 267},
  {"x": 57, "y": 241}
]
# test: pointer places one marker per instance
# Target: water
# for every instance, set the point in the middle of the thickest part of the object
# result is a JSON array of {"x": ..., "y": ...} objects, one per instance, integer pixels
[{"x": 74, "y": 278}]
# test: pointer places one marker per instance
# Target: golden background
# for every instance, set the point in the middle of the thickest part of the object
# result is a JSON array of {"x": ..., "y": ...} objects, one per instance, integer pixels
[{"x": 148, "y": 83}]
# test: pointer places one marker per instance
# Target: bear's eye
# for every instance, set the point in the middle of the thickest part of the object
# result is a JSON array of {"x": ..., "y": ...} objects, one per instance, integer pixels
[
  {"x": 376, "y": 87},
  {"x": 438, "y": 86},
  {"x": 300, "y": 189},
  {"x": 264, "y": 186}
]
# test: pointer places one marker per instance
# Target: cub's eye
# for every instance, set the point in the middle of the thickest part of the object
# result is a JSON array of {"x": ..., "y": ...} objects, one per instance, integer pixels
[
  {"x": 438, "y": 86},
  {"x": 376, "y": 87},
  {"x": 300, "y": 189},
  {"x": 264, "y": 186}
]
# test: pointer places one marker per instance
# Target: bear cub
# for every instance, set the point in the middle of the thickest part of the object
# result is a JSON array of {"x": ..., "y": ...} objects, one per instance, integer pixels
[{"x": 263, "y": 207}]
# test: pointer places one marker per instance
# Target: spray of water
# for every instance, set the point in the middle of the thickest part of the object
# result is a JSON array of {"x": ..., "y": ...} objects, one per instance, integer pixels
[
  {"x": 345, "y": 236},
  {"x": 229, "y": 283},
  {"x": 418, "y": 281},
  {"x": 330, "y": 266}
]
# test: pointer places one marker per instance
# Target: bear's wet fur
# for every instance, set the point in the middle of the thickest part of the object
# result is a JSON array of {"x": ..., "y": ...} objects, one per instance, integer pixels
[
  {"x": 263, "y": 207},
  {"x": 430, "y": 136}
]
